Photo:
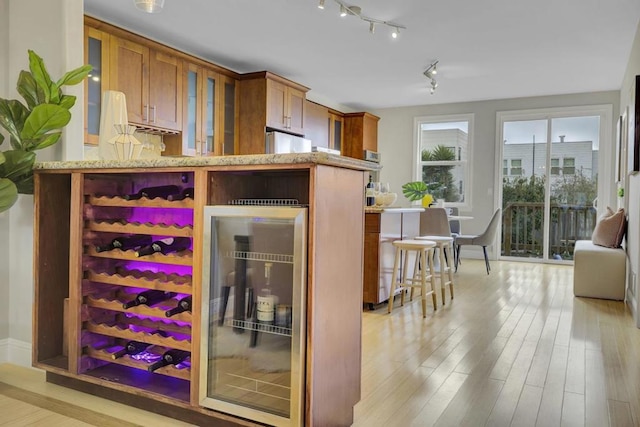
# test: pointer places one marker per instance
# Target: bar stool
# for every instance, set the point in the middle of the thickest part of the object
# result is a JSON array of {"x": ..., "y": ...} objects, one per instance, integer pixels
[
  {"x": 444, "y": 249},
  {"x": 422, "y": 271}
]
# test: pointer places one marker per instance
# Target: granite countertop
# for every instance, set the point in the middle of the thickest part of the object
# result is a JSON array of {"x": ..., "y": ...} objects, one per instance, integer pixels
[
  {"x": 251, "y": 159},
  {"x": 391, "y": 209}
]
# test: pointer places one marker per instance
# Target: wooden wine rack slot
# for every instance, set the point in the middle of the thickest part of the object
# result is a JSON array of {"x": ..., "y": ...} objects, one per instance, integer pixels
[
  {"x": 140, "y": 228},
  {"x": 181, "y": 285},
  {"x": 155, "y": 339},
  {"x": 115, "y": 305},
  {"x": 177, "y": 258},
  {"x": 182, "y": 329},
  {"x": 125, "y": 360},
  {"x": 143, "y": 202}
]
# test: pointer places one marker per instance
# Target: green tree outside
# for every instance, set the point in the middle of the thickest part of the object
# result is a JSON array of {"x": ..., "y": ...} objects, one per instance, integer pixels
[{"x": 440, "y": 179}]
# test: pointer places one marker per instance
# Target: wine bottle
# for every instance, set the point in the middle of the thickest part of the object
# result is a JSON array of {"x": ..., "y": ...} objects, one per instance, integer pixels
[
  {"x": 186, "y": 193},
  {"x": 148, "y": 297},
  {"x": 184, "y": 304},
  {"x": 170, "y": 357},
  {"x": 126, "y": 242},
  {"x": 132, "y": 347},
  {"x": 266, "y": 301},
  {"x": 369, "y": 193},
  {"x": 162, "y": 191},
  {"x": 165, "y": 246}
]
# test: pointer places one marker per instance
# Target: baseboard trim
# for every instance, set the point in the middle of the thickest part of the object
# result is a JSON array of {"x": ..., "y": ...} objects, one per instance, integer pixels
[{"x": 16, "y": 352}]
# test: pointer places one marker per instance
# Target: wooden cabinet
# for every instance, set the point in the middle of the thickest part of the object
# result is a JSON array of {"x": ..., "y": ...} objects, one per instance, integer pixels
[
  {"x": 381, "y": 229},
  {"x": 316, "y": 124},
  {"x": 360, "y": 133},
  {"x": 209, "y": 112},
  {"x": 285, "y": 107},
  {"x": 151, "y": 81},
  {"x": 77, "y": 208},
  {"x": 268, "y": 101},
  {"x": 336, "y": 130},
  {"x": 96, "y": 53}
]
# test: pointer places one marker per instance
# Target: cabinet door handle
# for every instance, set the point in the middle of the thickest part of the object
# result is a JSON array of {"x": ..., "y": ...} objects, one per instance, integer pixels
[
  {"x": 198, "y": 148},
  {"x": 145, "y": 118},
  {"x": 153, "y": 107}
]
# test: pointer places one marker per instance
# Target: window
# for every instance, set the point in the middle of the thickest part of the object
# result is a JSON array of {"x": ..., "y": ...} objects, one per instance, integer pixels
[
  {"x": 443, "y": 148},
  {"x": 555, "y": 166},
  {"x": 516, "y": 167},
  {"x": 505, "y": 167},
  {"x": 569, "y": 166}
]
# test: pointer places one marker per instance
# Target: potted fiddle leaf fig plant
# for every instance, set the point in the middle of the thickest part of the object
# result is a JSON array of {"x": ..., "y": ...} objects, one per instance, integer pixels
[{"x": 33, "y": 126}]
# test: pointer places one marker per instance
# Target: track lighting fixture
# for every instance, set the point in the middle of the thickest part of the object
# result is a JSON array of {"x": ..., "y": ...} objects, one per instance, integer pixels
[
  {"x": 149, "y": 6},
  {"x": 430, "y": 73},
  {"x": 345, "y": 10},
  {"x": 432, "y": 70}
]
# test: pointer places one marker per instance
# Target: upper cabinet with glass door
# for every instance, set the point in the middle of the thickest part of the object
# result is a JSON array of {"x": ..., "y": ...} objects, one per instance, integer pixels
[
  {"x": 96, "y": 53},
  {"x": 209, "y": 111}
]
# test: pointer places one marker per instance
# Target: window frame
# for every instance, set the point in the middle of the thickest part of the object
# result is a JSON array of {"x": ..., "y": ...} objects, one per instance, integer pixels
[{"x": 466, "y": 164}]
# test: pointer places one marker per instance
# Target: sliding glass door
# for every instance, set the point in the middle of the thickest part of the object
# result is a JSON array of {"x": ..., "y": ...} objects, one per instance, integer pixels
[{"x": 549, "y": 180}]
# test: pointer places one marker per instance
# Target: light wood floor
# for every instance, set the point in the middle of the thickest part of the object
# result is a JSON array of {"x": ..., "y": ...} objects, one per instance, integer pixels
[{"x": 513, "y": 348}]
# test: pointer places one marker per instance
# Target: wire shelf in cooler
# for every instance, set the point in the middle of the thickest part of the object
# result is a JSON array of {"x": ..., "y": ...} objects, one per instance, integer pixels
[
  {"x": 126, "y": 360},
  {"x": 150, "y": 338},
  {"x": 117, "y": 201},
  {"x": 260, "y": 327},
  {"x": 123, "y": 227},
  {"x": 140, "y": 279},
  {"x": 176, "y": 258},
  {"x": 259, "y": 256}
]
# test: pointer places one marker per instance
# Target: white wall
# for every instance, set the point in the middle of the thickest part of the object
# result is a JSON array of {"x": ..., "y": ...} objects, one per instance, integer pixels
[
  {"x": 396, "y": 135},
  {"x": 632, "y": 184},
  {"x": 53, "y": 29}
]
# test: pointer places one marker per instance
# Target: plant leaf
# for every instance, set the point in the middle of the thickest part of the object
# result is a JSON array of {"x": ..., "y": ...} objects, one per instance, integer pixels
[
  {"x": 28, "y": 88},
  {"x": 44, "y": 142},
  {"x": 13, "y": 115},
  {"x": 8, "y": 194},
  {"x": 74, "y": 77},
  {"x": 17, "y": 163},
  {"x": 2, "y": 158},
  {"x": 24, "y": 184},
  {"x": 67, "y": 101},
  {"x": 54, "y": 94},
  {"x": 40, "y": 74},
  {"x": 1, "y": 138},
  {"x": 44, "y": 118},
  {"x": 415, "y": 190}
]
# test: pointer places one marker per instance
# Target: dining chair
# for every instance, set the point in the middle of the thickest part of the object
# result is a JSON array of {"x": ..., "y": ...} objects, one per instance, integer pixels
[
  {"x": 456, "y": 230},
  {"x": 484, "y": 239}
]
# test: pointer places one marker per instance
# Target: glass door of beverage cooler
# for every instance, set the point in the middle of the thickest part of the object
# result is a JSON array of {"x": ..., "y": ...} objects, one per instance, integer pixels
[{"x": 253, "y": 311}]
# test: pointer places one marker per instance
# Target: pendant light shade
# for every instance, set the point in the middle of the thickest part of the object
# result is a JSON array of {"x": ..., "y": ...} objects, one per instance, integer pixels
[{"x": 149, "y": 6}]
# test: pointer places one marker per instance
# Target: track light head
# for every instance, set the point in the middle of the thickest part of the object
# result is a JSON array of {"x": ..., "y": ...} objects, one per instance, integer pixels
[
  {"x": 395, "y": 33},
  {"x": 372, "y": 27},
  {"x": 321, "y": 4},
  {"x": 343, "y": 11},
  {"x": 431, "y": 71}
]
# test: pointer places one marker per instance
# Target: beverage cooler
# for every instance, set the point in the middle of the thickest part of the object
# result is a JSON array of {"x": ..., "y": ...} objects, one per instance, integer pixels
[{"x": 253, "y": 312}]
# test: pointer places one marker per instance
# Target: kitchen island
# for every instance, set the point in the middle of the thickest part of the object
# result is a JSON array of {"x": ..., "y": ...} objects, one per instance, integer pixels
[
  {"x": 382, "y": 226},
  {"x": 78, "y": 314}
]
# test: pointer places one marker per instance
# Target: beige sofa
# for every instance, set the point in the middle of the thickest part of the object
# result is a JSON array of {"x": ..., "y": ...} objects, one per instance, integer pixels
[{"x": 598, "y": 272}]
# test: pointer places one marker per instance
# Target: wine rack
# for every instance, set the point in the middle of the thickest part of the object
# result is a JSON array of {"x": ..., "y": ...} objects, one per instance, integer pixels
[{"x": 114, "y": 277}]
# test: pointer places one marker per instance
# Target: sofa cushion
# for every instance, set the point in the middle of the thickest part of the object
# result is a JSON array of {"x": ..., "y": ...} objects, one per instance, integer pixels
[{"x": 610, "y": 229}]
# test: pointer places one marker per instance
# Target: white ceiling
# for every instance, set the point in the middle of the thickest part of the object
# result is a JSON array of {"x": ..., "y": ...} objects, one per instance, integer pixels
[{"x": 489, "y": 49}]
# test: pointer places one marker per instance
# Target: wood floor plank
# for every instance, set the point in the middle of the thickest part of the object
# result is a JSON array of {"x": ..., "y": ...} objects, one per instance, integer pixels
[
  {"x": 620, "y": 414},
  {"x": 550, "y": 412},
  {"x": 573, "y": 410},
  {"x": 527, "y": 410}
]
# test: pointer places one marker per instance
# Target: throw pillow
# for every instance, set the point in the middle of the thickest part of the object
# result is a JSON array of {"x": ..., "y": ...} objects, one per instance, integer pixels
[{"x": 610, "y": 229}]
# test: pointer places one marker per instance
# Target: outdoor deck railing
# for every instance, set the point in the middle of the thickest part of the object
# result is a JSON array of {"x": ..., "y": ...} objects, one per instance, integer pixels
[{"x": 522, "y": 229}]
